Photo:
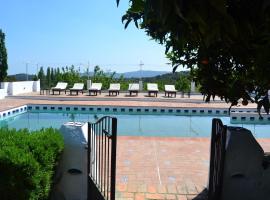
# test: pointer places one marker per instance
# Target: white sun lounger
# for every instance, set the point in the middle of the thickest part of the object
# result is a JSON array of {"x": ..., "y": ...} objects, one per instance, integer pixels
[
  {"x": 60, "y": 86},
  {"x": 95, "y": 88},
  {"x": 114, "y": 89},
  {"x": 133, "y": 88},
  {"x": 152, "y": 88},
  {"x": 77, "y": 87},
  {"x": 170, "y": 90}
]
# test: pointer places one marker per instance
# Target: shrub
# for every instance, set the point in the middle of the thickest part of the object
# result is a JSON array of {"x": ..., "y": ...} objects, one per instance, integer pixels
[{"x": 27, "y": 162}]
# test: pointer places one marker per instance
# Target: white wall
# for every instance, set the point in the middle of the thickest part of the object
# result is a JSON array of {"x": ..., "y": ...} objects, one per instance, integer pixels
[
  {"x": 5, "y": 86},
  {"x": 4, "y": 89},
  {"x": 72, "y": 186},
  {"x": 20, "y": 87},
  {"x": 2, "y": 93},
  {"x": 36, "y": 86}
]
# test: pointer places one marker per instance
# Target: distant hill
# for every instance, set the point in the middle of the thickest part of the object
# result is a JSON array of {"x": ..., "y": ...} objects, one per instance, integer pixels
[
  {"x": 168, "y": 77},
  {"x": 147, "y": 75},
  {"x": 20, "y": 77},
  {"x": 143, "y": 74},
  {"x": 135, "y": 74}
]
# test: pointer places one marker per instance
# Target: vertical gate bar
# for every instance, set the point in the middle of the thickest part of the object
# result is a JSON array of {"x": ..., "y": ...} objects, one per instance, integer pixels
[
  {"x": 88, "y": 159},
  {"x": 108, "y": 165},
  {"x": 100, "y": 167},
  {"x": 92, "y": 149},
  {"x": 105, "y": 167},
  {"x": 102, "y": 155},
  {"x": 96, "y": 157},
  {"x": 113, "y": 158},
  {"x": 105, "y": 157},
  {"x": 99, "y": 154},
  {"x": 108, "y": 169},
  {"x": 105, "y": 163},
  {"x": 97, "y": 135}
]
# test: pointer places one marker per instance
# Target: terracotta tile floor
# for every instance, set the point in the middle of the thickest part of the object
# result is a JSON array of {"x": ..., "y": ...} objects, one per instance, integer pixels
[
  {"x": 153, "y": 167},
  {"x": 163, "y": 168}
]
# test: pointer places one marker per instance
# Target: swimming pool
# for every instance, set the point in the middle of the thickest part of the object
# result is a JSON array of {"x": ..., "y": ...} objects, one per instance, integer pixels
[{"x": 133, "y": 125}]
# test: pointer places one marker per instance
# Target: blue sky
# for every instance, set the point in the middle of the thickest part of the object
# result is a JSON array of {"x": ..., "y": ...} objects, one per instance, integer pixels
[{"x": 64, "y": 32}]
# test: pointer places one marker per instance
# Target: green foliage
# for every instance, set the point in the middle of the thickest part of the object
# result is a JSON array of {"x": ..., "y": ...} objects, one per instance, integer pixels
[
  {"x": 3, "y": 57},
  {"x": 42, "y": 78},
  {"x": 48, "y": 77},
  {"x": 27, "y": 162},
  {"x": 124, "y": 82},
  {"x": 54, "y": 75},
  {"x": 181, "y": 80},
  {"x": 106, "y": 78},
  {"x": 71, "y": 76},
  {"x": 35, "y": 78},
  {"x": 225, "y": 44},
  {"x": 19, "y": 77},
  {"x": 183, "y": 83},
  {"x": 68, "y": 74},
  {"x": 10, "y": 79}
]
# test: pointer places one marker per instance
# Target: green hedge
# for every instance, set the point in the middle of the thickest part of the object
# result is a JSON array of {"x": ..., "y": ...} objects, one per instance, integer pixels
[{"x": 27, "y": 162}]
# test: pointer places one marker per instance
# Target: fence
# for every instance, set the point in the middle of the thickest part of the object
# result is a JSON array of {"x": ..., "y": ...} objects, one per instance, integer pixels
[{"x": 102, "y": 158}]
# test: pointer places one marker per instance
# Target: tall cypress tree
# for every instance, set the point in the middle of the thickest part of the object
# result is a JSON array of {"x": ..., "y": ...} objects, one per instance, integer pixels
[
  {"x": 41, "y": 73},
  {"x": 41, "y": 77},
  {"x": 58, "y": 75},
  {"x": 52, "y": 76},
  {"x": 3, "y": 57},
  {"x": 48, "y": 76}
]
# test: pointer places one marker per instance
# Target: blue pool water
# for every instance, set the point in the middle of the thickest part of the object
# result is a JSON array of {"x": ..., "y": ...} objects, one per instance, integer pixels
[{"x": 134, "y": 125}]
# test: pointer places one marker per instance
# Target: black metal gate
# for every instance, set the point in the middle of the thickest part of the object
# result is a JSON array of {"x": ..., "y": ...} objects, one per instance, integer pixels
[
  {"x": 217, "y": 158},
  {"x": 102, "y": 159}
]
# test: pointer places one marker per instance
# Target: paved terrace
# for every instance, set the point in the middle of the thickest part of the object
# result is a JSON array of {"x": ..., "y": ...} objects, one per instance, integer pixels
[
  {"x": 149, "y": 168},
  {"x": 163, "y": 168},
  {"x": 104, "y": 99}
]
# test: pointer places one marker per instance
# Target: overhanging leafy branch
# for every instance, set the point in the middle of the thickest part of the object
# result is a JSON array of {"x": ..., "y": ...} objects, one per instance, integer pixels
[{"x": 225, "y": 43}]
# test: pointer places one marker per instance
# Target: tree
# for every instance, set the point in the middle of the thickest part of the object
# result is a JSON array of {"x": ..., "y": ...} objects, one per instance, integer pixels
[
  {"x": 41, "y": 74},
  {"x": 3, "y": 57},
  {"x": 58, "y": 75},
  {"x": 97, "y": 70},
  {"x": 41, "y": 77},
  {"x": 69, "y": 75},
  {"x": 183, "y": 83},
  {"x": 53, "y": 81},
  {"x": 104, "y": 78},
  {"x": 48, "y": 77},
  {"x": 225, "y": 44}
]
